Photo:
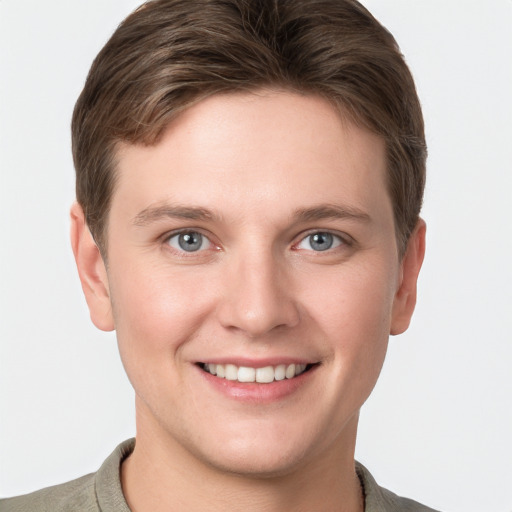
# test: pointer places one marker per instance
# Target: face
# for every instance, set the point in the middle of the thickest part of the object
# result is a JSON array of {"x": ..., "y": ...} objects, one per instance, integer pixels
[{"x": 253, "y": 279}]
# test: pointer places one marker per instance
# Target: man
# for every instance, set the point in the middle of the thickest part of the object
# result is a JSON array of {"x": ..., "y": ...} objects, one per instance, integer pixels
[{"x": 249, "y": 181}]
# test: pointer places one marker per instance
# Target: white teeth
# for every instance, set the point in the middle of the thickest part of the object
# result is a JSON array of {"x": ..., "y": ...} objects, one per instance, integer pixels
[
  {"x": 290, "y": 371},
  {"x": 280, "y": 372},
  {"x": 246, "y": 374},
  {"x": 231, "y": 372},
  {"x": 263, "y": 375}
]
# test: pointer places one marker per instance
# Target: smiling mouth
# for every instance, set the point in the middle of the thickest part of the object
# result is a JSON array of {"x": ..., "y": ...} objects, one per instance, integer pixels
[{"x": 264, "y": 375}]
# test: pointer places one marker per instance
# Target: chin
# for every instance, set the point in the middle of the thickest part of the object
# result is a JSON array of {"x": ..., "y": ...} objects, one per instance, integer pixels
[
  {"x": 264, "y": 452},
  {"x": 256, "y": 463}
]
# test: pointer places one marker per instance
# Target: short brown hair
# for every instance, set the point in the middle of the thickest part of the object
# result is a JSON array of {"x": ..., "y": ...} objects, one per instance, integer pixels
[{"x": 170, "y": 54}]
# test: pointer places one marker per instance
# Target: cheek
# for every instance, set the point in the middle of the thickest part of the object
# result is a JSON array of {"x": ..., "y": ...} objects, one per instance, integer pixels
[
  {"x": 353, "y": 308},
  {"x": 155, "y": 313}
]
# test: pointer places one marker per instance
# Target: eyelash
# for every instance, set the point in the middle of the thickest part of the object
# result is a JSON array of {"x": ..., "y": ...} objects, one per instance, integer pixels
[
  {"x": 175, "y": 235},
  {"x": 338, "y": 240}
]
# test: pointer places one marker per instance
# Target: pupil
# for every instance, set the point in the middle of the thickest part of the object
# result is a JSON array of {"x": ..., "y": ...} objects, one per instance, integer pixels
[
  {"x": 321, "y": 241},
  {"x": 190, "y": 241}
]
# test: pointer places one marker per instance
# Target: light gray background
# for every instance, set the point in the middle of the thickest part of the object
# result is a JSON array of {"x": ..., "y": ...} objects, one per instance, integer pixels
[{"x": 439, "y": 424}]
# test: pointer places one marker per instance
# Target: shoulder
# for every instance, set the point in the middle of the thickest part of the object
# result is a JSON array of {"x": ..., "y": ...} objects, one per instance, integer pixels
[
  {"x": 378, "y": 499},
  {"x": 96, "y": 492},
  {"x": 78, "y": 494}
]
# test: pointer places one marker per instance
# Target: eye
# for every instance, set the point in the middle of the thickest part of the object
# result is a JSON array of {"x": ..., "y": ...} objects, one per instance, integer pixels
[
  {"x": 320, "y": 241},
  {"x": 189, "y": 241}
]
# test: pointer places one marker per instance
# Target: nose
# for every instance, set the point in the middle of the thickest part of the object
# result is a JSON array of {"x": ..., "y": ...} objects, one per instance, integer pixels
[{"x": 257, "y": 297}]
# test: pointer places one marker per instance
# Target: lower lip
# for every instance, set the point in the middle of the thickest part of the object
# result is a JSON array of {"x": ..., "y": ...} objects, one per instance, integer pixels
[{"x": 255, "y": 392}]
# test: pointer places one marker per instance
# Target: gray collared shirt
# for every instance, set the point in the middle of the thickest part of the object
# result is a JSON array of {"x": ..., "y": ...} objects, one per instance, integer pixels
[{"x": 102, "y": 492}]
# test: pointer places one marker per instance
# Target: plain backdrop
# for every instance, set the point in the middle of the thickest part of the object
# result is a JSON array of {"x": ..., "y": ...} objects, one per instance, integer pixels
[{"x": 438, "y": 426}]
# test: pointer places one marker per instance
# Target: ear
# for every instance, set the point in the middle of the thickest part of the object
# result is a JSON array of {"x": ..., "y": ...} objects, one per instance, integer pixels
[
  {"x": 91, "y": 270},
  {"x": 405, "y": 297}
]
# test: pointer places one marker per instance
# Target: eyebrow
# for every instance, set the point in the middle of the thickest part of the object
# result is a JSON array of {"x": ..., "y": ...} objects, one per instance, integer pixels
[
  {"x": 155, "y": 213},
  {"x": 331, "y": 211},
  {"x": 319, "y": 212}
]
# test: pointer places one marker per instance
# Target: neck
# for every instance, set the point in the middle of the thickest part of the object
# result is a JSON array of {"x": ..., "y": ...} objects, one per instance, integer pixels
[{"x": 162, "y": 475}]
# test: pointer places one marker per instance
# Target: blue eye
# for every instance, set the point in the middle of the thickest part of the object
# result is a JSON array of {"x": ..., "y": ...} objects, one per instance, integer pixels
[
  {"x": 320, "y": 241},
  {"x": 189, "y": 241}
]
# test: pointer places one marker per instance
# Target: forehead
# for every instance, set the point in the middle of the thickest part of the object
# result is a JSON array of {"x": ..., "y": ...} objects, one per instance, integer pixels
[{"x": 255, "y": 151}]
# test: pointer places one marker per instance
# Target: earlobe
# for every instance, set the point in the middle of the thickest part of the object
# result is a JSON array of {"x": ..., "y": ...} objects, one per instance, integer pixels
[
  {"x": 91, "y": 270},
  {"x": 405, "y": 297}
]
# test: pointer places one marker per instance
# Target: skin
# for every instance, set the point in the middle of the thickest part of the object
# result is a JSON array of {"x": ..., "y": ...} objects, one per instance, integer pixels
[{"x": 255, "y": 293}]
